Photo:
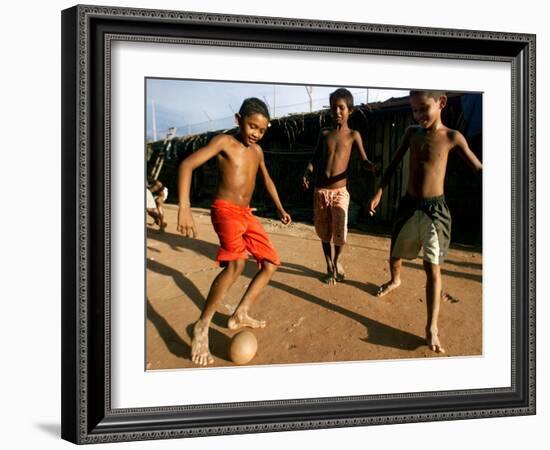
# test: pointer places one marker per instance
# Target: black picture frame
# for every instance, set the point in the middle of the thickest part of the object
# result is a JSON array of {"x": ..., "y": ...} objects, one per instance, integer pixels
[{"x": 87, "y": 415}]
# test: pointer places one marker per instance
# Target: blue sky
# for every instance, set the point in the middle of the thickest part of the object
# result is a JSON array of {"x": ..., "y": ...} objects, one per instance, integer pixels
[{"x": 197, "y": 106}]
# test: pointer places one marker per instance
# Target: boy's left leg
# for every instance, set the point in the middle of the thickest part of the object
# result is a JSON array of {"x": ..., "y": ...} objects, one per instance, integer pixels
[
  {"x": 260, "y": 246},
  {"x": 433, "y": 301},
  {"x": 240, "y": 317},
  {"x": 339, "y": 219},
  {"x": 329, "y": 278},
  {"x": 162, "y": 222},
  {"x": 339, "y": 272},
  {"x": 152, "y": 212}
]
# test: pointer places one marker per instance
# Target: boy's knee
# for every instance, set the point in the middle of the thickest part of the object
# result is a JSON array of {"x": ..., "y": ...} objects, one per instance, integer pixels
[
  {"x": 269, "y": 267},
  {"x": 432, "y": 270},
  {"x": 236, "y": 266},
  {"x": 240, "y": 263}
]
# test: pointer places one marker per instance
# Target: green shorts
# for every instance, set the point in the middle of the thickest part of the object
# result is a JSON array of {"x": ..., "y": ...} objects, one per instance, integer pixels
[{"x": 422, "y": 223}]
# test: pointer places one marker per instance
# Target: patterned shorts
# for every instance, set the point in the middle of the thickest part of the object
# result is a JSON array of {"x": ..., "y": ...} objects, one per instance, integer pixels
[{"x": 330, "y": 209}]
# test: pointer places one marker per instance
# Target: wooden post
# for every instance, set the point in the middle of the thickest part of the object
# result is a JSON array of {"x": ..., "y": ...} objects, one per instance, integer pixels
[{"x": 386, "y": 159}]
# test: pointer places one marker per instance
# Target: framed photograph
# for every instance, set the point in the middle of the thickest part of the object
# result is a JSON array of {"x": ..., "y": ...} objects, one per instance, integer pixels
[
  {"x": 346, "y": 295},
  {"x": 144, "y": 91}
]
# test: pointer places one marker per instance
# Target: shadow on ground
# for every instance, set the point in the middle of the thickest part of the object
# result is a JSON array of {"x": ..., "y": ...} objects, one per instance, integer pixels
[{"x": 377, "y": 333}]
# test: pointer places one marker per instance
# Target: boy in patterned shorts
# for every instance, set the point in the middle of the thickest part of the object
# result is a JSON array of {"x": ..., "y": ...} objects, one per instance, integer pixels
[{"x": 331, "y": 197}]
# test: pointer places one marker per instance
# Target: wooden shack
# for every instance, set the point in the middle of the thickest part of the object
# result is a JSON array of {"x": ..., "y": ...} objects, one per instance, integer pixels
[{"x": 289, "y": 144}]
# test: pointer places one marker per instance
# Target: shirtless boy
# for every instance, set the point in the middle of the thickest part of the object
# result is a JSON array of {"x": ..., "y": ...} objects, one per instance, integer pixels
[
  {"x": 423, "y": 218},
  {"x": 240, "y": 233},
  {"x": 157, "y": 194},
  {"x": 331, "y": 197}
]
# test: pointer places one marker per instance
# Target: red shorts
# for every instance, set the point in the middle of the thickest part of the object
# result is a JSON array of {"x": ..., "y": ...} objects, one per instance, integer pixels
[{"x": 240, "y": 234}]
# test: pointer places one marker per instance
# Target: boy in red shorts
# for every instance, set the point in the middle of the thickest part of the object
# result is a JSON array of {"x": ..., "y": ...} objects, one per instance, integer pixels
[{"x": 240, "y": 233}]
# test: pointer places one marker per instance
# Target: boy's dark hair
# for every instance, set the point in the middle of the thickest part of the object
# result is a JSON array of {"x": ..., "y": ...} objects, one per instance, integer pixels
[
  {"x": 253, "y": 105},
  {"x": 433, "y": 94},
  {"x": 343, "y": 94}
]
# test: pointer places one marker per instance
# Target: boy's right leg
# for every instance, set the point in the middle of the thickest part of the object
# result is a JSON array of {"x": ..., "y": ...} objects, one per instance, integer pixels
[
  {"x": 200, "y": 353},
  {"x": 322, "y": 219},
  {"x": 395, "y": 280}
]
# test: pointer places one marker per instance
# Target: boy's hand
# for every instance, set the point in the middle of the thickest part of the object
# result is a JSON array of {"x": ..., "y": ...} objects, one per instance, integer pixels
[
  {"x": 186, "y": 224},
  {"x": 305, "y": 182},
  {"x": 374, "y": 167},
  {"x": 374, "y": 202},
  {"x": 285, "y": 217}
]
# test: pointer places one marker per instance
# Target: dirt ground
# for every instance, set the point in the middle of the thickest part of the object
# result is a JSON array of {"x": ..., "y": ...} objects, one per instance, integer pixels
[{"x": 307, "y": 320}]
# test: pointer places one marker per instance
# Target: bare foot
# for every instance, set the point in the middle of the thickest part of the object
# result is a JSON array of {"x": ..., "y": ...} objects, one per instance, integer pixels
[
  {"x": 339, "y": 273},
  {"x": 240, "y": 320},
  {"x": 200, "y": 354},
  {"x": 386, "y": 288},
  {"x": 433, "y": 342},
  {"x": 329, "y": 279}
]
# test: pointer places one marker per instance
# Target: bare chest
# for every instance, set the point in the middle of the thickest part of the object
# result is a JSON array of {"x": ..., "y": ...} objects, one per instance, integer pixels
[
  {"x": 338, "y": 146},
  {"x": 239, "y": 159},
  {"x": 430, "y": 149}
]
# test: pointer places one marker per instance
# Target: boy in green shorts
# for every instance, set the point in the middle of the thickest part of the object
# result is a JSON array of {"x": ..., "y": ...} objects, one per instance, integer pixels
[{"x": 423, "y": 218}]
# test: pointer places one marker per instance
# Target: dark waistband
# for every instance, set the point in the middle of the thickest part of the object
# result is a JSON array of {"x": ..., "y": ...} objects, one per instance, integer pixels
[{"x": 422, "y": 201}]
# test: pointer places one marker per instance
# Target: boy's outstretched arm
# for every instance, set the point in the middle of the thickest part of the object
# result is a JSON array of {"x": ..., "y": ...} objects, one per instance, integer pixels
[
  {"x": 186, "y": 225},
  {"x": 461, "y": 145},
  {"x": 402, "y": 149},
  {"x": 358, "y": 141},
  {"x": 272, "y": 191}
]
